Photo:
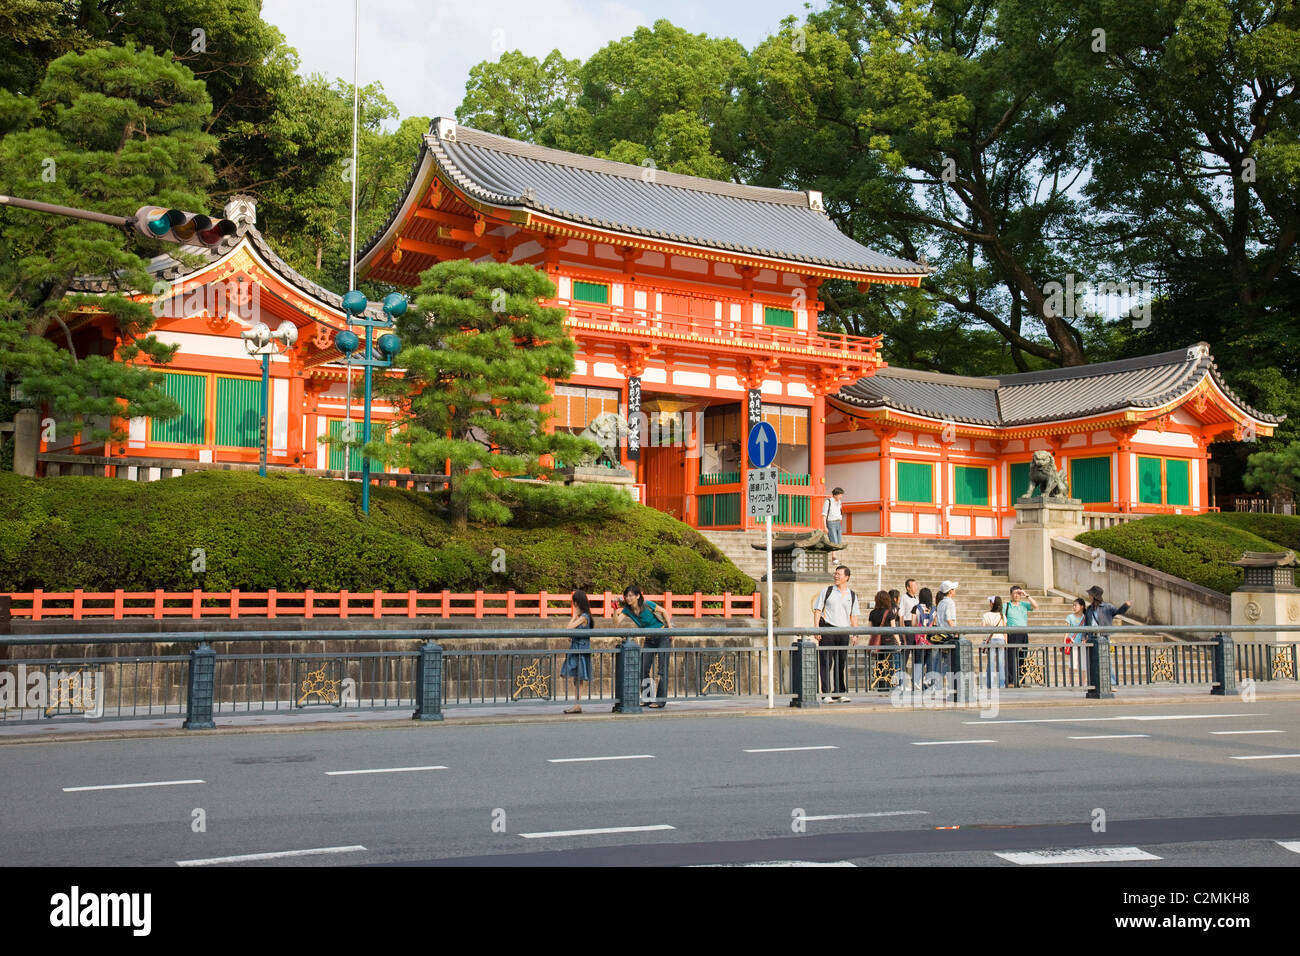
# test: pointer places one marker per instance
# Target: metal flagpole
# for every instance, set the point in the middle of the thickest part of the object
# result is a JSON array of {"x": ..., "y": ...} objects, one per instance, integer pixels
[
  {"x": 352, "y": 229},
  {"x": 771, "y": 642}
]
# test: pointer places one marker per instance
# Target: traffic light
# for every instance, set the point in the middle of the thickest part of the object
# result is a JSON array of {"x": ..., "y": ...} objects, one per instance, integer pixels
[{"x": 175, "y": 225}]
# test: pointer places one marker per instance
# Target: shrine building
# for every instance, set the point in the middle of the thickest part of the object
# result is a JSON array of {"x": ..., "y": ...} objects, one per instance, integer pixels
[{"x": 695, "y": 303}]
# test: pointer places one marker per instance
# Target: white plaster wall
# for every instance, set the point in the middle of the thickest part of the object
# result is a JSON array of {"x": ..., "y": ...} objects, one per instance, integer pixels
[
  {"x": 564, "y": 287},
  {"x": 1165, "y": 440},
  {"x": 771, "y": 388},
  {"x": 616, "y": 293},
  {"x": 217, "y": 346},
  {"x": 279, "y": 414},
  {"x": 859, "y": 479},
  {"x": 605, "y": 370},
  {"x": 696, "y": 379},
  {"x": 799, "y": 389},
  {"x": 900, "y": 522},
  {"x": 927, "y": 523},
  {"x": 986, "y": 527},
  {"x": 655, "y": 376},
  {"x": 959, "y": 525},
  {"x": 729, "y": 383}
]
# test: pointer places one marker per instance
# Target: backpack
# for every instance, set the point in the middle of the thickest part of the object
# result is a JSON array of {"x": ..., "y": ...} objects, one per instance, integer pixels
[
  {"x": 853, "y": 599},
  {"x": 925, "y": 617}
]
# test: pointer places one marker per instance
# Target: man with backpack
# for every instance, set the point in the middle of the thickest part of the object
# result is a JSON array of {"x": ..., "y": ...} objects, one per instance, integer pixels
[
  {"x": 833, "y": 516},
  {"x": 837, "y": 606}
]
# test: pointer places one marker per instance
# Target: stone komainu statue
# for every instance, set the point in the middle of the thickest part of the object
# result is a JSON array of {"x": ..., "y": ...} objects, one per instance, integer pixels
[
  {"x": 1045, "y": 478},
  {"x": 605, "y": 430}
]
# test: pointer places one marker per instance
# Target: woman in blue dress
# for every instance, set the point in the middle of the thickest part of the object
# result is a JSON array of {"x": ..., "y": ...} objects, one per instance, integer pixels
[{"x": 577, "y": 665}]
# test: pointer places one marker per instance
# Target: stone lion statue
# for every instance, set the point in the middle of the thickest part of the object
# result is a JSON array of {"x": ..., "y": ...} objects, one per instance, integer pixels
[
  {"x": 606, "y": 429},
  {"x": 1046, "y": 478}
]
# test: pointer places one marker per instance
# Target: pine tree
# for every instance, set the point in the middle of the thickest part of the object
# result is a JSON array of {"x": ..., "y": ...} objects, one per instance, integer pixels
[{"x": 480, "y": 354}]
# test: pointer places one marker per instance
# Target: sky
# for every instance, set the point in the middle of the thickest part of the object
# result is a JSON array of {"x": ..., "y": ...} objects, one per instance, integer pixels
[{"x": 422, "y": 51}]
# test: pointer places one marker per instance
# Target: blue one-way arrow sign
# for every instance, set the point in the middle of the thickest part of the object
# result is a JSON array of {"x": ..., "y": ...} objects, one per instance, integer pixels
[{"x": 762, "y": 445}]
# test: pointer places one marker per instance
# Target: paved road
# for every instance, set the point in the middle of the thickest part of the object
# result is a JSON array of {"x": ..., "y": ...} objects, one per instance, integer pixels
[{"x": 880, "y": 788}]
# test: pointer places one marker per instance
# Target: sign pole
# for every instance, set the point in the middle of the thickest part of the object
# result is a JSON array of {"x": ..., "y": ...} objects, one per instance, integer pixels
[{"x": 771, "y": 643}]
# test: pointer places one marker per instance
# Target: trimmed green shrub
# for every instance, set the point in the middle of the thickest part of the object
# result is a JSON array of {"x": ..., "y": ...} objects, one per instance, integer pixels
[
  {"x": 291, "y": 532},
  {"x": 1197, "y": 548},
  {"x": 1283, "y": 530}
]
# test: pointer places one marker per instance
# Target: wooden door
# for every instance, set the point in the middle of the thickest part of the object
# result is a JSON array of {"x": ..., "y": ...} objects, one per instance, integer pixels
[{"x": 663, "y": 470}]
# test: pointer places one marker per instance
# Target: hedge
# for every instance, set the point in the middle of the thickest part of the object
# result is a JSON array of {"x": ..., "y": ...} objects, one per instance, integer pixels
[
  {"x": 292, "y": 532},
  {"x": 1198, "y": 548}
]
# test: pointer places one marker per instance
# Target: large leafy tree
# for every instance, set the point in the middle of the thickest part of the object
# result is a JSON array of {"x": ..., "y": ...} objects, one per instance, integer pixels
[
  {"x": 479, "y": 354},
  {"x": 108, "y": 130}
]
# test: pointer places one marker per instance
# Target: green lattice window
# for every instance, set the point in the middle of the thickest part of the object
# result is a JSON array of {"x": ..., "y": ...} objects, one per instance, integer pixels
[
  {"x": 971, "y": 486},
  {"x": 1019, "y": 478},
  {"x": 239, "y": 412},
  {"x": 915, "y": 482},
  {"x": 377, "y": 432},
  {"x": 782, "y": 317},
  {"x": 597, "y": 292},
  {"x": 1149, "y": 481},
  {"x": 1178, "y": 481},
  {"x": 191, "y": 392},
  {"x": 1090, "y": 479}
]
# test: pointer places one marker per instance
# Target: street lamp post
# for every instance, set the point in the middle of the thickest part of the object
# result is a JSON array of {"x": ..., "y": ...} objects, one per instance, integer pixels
[
  {"x": 354, "y": 303},
  {"x": 260, "y": 340}
]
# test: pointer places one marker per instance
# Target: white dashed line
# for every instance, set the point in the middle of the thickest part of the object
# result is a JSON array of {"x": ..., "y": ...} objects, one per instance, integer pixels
[
  {"x": 1292, "y": 845},
  {"x": 253, "y": 857},
  {"x": 591, "y": 759},
  {"x": 1087, "y": 720},
  {"x": 1268, "y": 757},
  {"x": 942, "y": 743},
  {"x": 1106, "y": 854},
  {"x": 1220, "y": 732},
  {"x": 348, "y": 773},
  {"x": 130, "y": 786},
  {"x": 595, "y": 832},
  {"x": 860, "y": 816},
  {"x": 1110, "y": 737},
  {"x": 777, "y": 750}
]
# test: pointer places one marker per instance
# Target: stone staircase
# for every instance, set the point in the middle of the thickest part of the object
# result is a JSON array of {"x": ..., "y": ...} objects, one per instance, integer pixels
[{"x": 978, "y": 565}]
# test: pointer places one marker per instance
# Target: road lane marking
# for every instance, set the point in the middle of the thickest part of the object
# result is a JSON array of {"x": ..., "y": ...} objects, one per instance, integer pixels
[
  {"x": 1110, "y": 736},
  {"x": 252, "y": 857},
  {"x": 1268, "y": 757},
  {"x": 346, "y": 773},
  {"x": 1104, "y": 854},
  {"x": 589, "y": 759},
  {"x": 801, "y": 863},
  {"x": 131, "y": 786},
  {"x": 1086, "y": 720},
  {"x": 595, "y": 832},
  {"x": 939, "y": 743},
  {"x": 858, "y": 816},
  {"x": 777, "y": 750},
  {"x": 1292, "y": 845},
  {"x": 1247, "y": 731}
]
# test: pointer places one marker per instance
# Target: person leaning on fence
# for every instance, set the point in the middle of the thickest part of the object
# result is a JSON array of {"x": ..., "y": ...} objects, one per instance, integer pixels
[
  {"x": 884, "y": 614},
  {"x": 577, "y": 664},
  {"x": 837, "y": 606},
  {"x": 648, "y": 615},
  {"x": 996, "y": 644},
  {"x": 1017, "y": 612},
  {"x": 946, "y": 625},
  {"x": 923, "y": 615},
  {"x": 1074, "y": 648},
  {"x": 833, "y": 516}
]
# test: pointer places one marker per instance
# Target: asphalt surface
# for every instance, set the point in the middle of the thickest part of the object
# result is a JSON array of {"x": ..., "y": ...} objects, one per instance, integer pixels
[{"x": 883, "y": 787}]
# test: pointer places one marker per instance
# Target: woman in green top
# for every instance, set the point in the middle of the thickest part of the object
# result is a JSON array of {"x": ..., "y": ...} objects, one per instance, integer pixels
[{"x": 648, "y": 615}]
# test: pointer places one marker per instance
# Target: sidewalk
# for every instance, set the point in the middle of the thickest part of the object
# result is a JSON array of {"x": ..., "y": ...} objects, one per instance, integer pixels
[{"x": 71, "y": 728}]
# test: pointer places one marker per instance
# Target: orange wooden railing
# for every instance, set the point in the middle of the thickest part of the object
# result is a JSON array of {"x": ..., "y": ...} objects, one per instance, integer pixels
[{"x": 80, "y": 605}]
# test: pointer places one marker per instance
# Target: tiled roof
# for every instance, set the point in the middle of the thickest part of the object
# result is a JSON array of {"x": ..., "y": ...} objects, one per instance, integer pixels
[
  {"x": 1050, "y": 395},
  {"x": 635, "y": 200}
]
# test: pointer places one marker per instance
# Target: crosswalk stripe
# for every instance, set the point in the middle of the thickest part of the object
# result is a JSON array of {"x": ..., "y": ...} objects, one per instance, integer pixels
[{"x": 1103, "y": 854}]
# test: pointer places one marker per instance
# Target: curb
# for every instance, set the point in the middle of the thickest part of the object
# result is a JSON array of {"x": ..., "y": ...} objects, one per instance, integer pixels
[{"x": 873, "y": 707}]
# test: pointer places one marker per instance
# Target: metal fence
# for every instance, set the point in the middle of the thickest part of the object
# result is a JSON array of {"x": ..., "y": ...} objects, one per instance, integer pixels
[{"x": 159, "y": 686}]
